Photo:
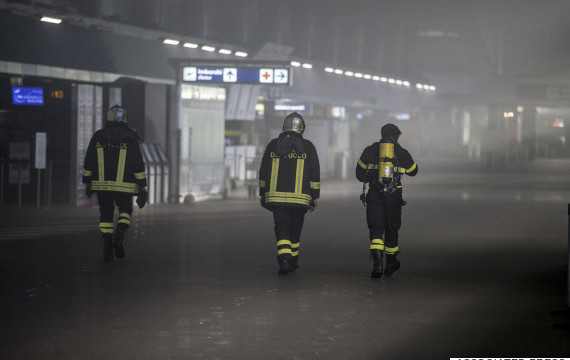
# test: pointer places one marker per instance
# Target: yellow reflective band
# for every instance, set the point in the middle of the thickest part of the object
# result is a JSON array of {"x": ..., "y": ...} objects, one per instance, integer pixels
[
  {"x": 87, "y": 173},
  {"x": 376, "y": 247},
  {"x": 284, "y": 251},
  {"x": 362, "y": 165},
  {"x": 295, "y": 253},
  {"x": 121, "y": 166},
  {"x": 125, "y": 215},
  {"x": 274, "y": 174},
  {"x": 114, "y": 188},
  {"x": 101, "y": 164},
  {"x": 315, "y": 185},
  {"x": 140, "y": 176},
  {"x": 124, "y": 221},
  {"x": 288, "y": 199},
  {"x": 106, "y": 228},
  {"x": 390, "y": 250},
  {"x": 299, "y": 176},
  {"x": 130, "y": 188},
  {"x": 373, "y": 166},
  {"x": 295, "y": 245},
  {"x": 261, "y": 183},
  {"x": 289, "y": 194},
  {"x": 284, "y": 242},
  {"x": 412, "y": 168},
  {"x": 377, "y": 241}
]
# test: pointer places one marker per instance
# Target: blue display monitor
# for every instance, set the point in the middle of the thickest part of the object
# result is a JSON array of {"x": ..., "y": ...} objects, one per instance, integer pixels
[{"x": 27, "y": 95}]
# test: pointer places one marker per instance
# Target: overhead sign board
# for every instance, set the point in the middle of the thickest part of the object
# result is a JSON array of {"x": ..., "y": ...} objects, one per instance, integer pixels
[{"x": 237, "y": 75}]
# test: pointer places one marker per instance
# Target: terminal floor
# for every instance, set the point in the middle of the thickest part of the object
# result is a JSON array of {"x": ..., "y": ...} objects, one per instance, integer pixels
[{"x": 484, "y": 263}]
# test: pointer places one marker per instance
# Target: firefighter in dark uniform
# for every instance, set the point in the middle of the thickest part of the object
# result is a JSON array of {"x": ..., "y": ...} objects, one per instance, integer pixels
[
  {"x": 289, "y": 186},
  {"x": 114, "y": 169},
  {"x": 381, "y": 166}
]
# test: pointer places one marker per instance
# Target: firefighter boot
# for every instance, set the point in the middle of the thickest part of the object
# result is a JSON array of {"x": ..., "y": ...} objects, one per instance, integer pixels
[
  {"x": 293, "y": 264},
  {"x": 392, "y": 263},
  {"x": 284, "y": 267},
  {"x": 107, "y": 247},
  {"x": 376, "y": 256},
  {"x": 118, "y": 238}
]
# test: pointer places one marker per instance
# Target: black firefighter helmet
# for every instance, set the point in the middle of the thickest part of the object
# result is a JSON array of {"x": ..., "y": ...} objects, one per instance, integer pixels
[
  {"x": 117, "y": 113},
  {"x": 390, "y": 132},
  {"x": 294, "y": 122}
]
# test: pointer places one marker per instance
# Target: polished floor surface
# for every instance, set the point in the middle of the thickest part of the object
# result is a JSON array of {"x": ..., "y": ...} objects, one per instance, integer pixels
[{"x": 484, "y": 264}]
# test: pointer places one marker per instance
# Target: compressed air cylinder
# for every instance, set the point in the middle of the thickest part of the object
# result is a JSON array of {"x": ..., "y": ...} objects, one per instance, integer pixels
[{"x": 386, "y": 166}]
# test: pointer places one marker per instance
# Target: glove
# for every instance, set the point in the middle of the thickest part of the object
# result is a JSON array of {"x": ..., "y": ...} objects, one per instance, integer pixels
[
  {"x": 263, "y": 204},
  {"x": 142, "y": 197},
  {"x": 88, "y": 191},
  {"x": 312, "y": 205}
]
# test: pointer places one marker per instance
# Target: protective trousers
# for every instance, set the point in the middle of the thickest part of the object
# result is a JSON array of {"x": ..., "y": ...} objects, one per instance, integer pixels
[
  {"x": 384, "y": 218},
  {"x": 288, "y": 225},
  {"x": 107, "y": 203}
]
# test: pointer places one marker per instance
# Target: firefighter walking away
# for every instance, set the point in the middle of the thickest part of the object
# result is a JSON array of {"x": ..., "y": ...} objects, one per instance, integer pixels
[
  {"x": 114, "y": 169},
  {"x": 381, "y": 167},
  {"x": 289, "y": 186}
]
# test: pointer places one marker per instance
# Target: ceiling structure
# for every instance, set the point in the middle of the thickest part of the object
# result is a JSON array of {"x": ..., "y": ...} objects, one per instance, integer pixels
[{"x": 467, "y": 46}]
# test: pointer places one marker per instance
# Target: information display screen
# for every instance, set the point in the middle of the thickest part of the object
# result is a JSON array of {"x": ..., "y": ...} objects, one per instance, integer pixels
[{"x": 27, "y": 95}]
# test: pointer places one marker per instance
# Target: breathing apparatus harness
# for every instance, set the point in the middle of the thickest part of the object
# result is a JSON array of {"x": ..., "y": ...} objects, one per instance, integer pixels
[{"x": 387, "y": 180}]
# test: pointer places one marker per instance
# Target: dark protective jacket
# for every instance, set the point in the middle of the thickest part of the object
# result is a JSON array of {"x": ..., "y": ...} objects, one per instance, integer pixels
[
  {"x": 367, "y": 166},
  {"x": 114, "y": 161},
  {"x": 290, "y": 172}
]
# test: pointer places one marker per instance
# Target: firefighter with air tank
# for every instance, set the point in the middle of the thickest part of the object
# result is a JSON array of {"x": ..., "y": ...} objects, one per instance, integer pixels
[{"x": 381, "y": 166}]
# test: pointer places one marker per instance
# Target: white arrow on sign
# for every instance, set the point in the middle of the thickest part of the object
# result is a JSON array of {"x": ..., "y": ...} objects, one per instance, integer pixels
[{"x": 230, "y": 75}]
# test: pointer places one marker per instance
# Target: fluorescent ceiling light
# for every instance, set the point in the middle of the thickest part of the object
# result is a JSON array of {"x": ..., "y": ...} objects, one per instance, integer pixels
[
  {"x": 376, "y": 78},
  {"x": 225, "y": 51},
  {"x": 170, "y": 42},
  {"x": 383, "y": 79},
  {"x": 431, "y": 33},
  {"x": 307, "y": 66},
  {"x": 419, "y": 86},
  {"x": 399, "y": 82},
  {"x": 295, "y": 63},
  {"x": 50, "y": 20},
  {"x": 349, "y": 73},
  {"x": 367, "y": 76},
  {"x": 208, "y": 48},
  {"x": 406, "y": 83},
  {"x": 391, "y": 81},
  {"x": 358, "y": 75},
  {"x": 329, "y": 69},
  {"x": 190, "y": 45},
  {"x": 432, "y": 87},
  {"x": 338, "y": 71},
  {"x": 240, "y": 54}
]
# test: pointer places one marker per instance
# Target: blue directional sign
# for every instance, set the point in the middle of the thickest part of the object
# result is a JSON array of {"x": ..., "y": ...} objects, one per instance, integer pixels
[
  {"x": 238, "y": 75},
  {"x": 27, "y": 95}
]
